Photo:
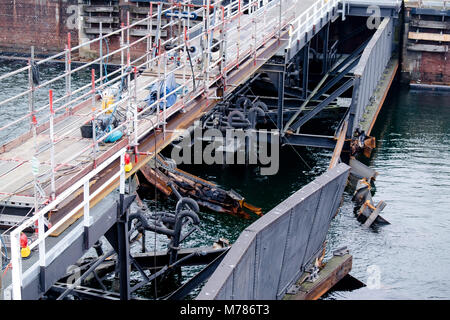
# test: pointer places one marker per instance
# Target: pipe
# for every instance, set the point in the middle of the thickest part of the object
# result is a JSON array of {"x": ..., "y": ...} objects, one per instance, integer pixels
[{"x": 190, "y": 203}]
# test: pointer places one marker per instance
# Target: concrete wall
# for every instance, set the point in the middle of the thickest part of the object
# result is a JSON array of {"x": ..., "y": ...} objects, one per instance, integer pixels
[{"x": 272, "y": 253}]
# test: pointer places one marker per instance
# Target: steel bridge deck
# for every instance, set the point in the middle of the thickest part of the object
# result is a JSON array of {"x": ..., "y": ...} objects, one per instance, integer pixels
[{"x": 16, "y": 179}]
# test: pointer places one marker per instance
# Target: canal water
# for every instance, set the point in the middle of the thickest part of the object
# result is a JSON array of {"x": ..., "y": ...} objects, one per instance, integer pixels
[{"x": 407, "y": 259}]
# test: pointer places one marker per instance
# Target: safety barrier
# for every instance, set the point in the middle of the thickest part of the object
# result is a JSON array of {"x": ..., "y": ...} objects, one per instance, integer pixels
[
  {"x": 272, "y": 253},
  {"x": 238, "y": 30},
  {"x": 16, "y": 260},
  {"x": 370, "y": 68}
]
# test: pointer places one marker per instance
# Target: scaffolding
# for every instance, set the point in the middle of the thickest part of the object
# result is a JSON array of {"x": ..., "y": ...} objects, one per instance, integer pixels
[{"x": 55, "y": 161}]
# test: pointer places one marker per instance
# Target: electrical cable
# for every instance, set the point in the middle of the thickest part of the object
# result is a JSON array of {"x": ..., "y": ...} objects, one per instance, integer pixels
[
  {"x": 192, "y": 67},
  {"x": 105, "y": 65}
]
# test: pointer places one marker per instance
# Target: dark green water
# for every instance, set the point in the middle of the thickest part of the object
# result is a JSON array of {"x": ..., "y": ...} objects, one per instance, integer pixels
[{"x": 412, "y": 158}]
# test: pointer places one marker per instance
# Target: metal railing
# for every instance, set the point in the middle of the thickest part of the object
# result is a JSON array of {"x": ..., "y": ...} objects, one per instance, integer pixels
[
  {"x": 16, "y": 261},
  {"x": 238, "y": 30},
  {"x": 309, "y": 18},
  {"x": 370, "y": 68},
  {"x": 260, "y": 20}
]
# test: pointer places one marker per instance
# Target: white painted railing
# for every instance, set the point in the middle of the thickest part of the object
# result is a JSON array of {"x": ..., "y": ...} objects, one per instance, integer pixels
[
  {"x": 16, "y": 260},
  {"x": 310, "y": 18}
]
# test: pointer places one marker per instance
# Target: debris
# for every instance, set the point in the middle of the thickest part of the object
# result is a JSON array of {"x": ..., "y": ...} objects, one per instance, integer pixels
[
  {"x": 206, "y": 194},
  {"x": 366, "y": 210}
]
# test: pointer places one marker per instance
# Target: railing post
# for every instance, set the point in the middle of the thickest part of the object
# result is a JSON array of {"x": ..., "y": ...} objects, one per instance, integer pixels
[
  {"x": 42, "y": 254},
  {"x": 31, "y": 86},
  {"x": 223, "y": 51},
  {"x": 238, "y": 44},
  {"x": 86, "y": 216},
  {"x": 158, "y": 91},
  {"x": 122, "y": 174},
  {"x": 121, "y": 49},
  {"x": 33, "y": 125},
  {"x": 279, "y": 20},
  {"x": 16, "y": 265},
  {"x": 165, "y": 95},
  {"x": 52, "y": 147},
  {"x": 101, "y": 53},
  {"x": 128, "y": 43},
  {"x": 94, "y": 133},
  {"x": 254, "y": 40},
  {"x": 135, "y": 118},
  {"x": 68, "y": 58},
  {"x": 149, "y": 30},
  {"x": 185, "y": 48}
]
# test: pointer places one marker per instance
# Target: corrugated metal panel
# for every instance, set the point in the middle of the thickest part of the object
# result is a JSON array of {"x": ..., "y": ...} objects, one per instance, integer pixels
[{"x": 270, "y": 254}]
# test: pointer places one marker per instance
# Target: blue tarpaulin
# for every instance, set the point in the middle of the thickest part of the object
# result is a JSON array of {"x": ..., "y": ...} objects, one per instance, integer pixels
[{"x": 171, "y": 85}]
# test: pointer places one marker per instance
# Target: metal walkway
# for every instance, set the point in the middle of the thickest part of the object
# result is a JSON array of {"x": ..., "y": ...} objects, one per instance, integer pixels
[{"x": 51, "y": 170}]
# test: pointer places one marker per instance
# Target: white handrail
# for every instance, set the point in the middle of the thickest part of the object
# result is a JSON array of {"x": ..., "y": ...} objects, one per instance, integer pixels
[{"x": 40, "y": 215}]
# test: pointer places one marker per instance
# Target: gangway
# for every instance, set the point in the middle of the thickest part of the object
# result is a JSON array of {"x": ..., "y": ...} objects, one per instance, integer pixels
[{"x": 54, "y": 175}]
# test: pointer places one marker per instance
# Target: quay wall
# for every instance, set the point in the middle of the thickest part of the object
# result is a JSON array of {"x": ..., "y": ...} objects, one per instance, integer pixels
[
  {"x": 426, "y": 40},
  {"x": 39, "y": 23}
]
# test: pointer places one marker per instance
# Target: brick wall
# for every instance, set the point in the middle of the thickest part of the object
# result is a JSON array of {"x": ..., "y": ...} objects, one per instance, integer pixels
[
  {"x": 424, "y": 59},
  {"x": 42, "y": 23},
  {"x": 434, "y": 68}
]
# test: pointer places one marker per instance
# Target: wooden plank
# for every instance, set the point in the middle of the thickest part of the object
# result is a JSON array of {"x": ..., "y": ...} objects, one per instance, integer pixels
[
  {"x": 429, "y": 36},
  {"x": 335, "y": 269},
  {"x": 419, "y": 23},
  {"x": 374, "y": 214},
  {"x": 427, "y": 48},
  {"x": 339, "y": 145}
]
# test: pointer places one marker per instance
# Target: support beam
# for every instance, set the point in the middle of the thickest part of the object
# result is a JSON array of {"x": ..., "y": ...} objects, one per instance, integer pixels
[
  {"x": 325, "y": 55},
  {"x": 281, "y": 76},
  {"x": 123, "y": 250},
  {"x": 305, "y": 70},
  {"x": 336, "y": 79},
  {"x": 322, "y": 105},
  {"x": 310, "y": 140},
  {"x": 199, "y": 278},
  {"x": 349, "y": 58}
]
